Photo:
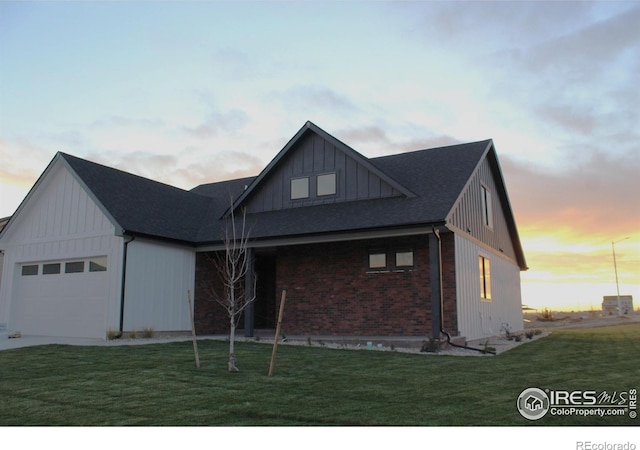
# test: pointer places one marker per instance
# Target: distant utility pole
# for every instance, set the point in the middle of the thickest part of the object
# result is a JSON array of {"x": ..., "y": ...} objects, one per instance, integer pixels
[{"x": 615, "y": 268}]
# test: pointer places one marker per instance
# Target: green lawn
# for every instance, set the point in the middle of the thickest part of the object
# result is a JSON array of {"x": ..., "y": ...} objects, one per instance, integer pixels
[{"x": 159, "y": 384}]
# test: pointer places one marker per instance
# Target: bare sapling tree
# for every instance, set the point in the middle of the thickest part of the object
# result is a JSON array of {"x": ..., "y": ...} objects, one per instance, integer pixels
[{"x": 232, "y": 266}]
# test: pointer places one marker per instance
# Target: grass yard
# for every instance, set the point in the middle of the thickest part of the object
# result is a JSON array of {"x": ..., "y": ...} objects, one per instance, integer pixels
[{"x": 159, "y": 384}]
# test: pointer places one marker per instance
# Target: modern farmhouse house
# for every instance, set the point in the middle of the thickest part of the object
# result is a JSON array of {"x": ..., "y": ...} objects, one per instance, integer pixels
[{"x": 413, "y": 244}]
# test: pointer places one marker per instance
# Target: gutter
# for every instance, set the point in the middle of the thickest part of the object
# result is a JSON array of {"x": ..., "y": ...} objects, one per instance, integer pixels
[
  {"x": 436, "y": 232},
  {"x": 124, "y": 280}
]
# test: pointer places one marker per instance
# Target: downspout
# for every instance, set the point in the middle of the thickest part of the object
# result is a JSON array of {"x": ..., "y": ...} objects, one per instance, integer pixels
[
  {"x": 436, "y": 232},
  {"x": 124, "y": 280}
]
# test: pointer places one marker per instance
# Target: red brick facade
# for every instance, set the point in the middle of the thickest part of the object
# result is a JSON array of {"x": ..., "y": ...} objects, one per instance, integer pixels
[{"x": 331, "y": 290}]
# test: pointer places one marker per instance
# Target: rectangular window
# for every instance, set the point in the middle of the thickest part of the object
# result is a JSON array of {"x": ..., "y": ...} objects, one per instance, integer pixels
[
  {"x": 326, "y": 184},
  {"x": 74, "y": 267},
  {"x": 98, "y": 264},
  {"x": 299, "y": 188},
  {"x": 487, "y": 207},
  {"x": 31, "y": 269},
  {"x": 51, "y": 269},
  {"x": 377, "y": 259},
  {"x": 485, "y": 278},
  {"x": 404, "y": 258}
]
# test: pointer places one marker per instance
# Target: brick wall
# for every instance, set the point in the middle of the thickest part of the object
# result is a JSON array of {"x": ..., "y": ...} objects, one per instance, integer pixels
[
  {"x": 209, "y": 316},
  {"x": 330, "y": 290}
]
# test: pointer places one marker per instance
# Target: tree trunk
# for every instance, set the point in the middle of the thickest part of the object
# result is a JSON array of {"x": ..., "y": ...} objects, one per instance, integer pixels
[{"x": 232, "y": 346}]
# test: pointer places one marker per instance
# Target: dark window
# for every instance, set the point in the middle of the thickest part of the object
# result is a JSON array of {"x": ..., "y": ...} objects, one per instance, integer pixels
[
  {"x": 31, "y": 269},
  {"x": 487, "y": 207},
  {"x": 74, "y": 267},
  {"x": 51, "y": 269}
]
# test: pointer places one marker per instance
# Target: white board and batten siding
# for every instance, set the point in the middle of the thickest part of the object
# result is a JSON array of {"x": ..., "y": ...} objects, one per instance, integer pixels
[
  {"x": 479, "y": 318},
  {"x": 59, "y": 223},
  {"x": 158, "y": 277}
]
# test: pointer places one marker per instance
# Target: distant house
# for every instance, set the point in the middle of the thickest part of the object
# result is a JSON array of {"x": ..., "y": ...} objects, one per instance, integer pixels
[
  {"x": 610, "y": 304},
  {"x": 405, "y": 245}
]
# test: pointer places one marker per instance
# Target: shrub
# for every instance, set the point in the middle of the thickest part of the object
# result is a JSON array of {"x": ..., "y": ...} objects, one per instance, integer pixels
[
  {"x": 148, "y": 333},
  {"x": 546, "y": 314},
  {"x": 530, "y": 334},
  {"x": 431, "y": 346},
  {"x": 112, "y": 334}
]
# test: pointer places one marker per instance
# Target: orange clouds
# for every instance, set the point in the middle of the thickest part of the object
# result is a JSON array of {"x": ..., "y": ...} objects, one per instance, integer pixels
[{"x": 567, "y": 221}]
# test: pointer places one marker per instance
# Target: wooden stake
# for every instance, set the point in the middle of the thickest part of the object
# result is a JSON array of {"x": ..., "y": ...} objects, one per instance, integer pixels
[
  {"x": 193, "y": 330},
  {"x": 275, "y": 341}
]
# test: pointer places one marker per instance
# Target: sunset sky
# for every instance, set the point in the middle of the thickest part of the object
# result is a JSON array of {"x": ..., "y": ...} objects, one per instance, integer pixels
[{"x": 203, "y": 91}]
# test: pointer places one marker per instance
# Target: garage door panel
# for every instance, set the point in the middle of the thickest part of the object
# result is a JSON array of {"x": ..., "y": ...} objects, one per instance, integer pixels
[{"x": 69, "y": 305}]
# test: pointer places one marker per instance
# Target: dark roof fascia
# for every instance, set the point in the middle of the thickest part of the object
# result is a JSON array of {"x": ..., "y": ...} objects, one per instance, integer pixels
[
  {"x": 329, "y": 237},
  {"x": 151, "y": 237},
  {"x": 470, "y": 178},
  {"x": 94, "y": 198},
  {"x": 494, "y": 163},
  {"x": 58, "y": 157},
  {"x": 139, "y": 222},
  {"x": 492, "y": 157},
  {"x": 309, "y": 126}
]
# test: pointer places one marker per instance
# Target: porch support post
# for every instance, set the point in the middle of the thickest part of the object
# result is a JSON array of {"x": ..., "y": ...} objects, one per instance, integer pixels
[
  {"x": 248, "y": 290},
  {"x": 434, "y": 282}
]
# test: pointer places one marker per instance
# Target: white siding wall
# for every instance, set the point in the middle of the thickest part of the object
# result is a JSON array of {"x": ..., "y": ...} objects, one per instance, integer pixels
[
  {"x": 60, "y": 221},
  {"x": 158, "y": 277},
  {"x": 477, "y": 318}
]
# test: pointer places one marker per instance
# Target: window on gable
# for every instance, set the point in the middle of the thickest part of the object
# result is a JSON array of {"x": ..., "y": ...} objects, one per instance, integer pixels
[
  {"x": 487, "y": 207},
  {"x": 404, "y": 258},
  {"x": 326, "y": 184},
  {"x": 51, "y": 269},
  {"x": 485, "y": 278},
  {"x": 30, "y": 269},
  {"x": 377, "y": 259},
  {"x": 299, "y": 188}
]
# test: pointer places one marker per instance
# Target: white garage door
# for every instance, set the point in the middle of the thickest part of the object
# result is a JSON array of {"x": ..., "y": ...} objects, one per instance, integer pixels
[{"x": 61, "y": 298}]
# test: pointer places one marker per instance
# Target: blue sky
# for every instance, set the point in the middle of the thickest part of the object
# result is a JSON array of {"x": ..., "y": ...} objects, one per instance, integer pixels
[{"x": 194, "y": 92}]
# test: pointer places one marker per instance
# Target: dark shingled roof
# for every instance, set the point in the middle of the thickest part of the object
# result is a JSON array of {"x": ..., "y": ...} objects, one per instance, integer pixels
[
  {"x": 146, "y": 207},
  {"x": 431, "y": 179},
  {"x": 436, "y": 176},
  {"x": 142, "y": 206}
]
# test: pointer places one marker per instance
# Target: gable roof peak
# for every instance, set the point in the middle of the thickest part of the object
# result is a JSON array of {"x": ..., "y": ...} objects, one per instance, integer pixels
[{"x": 291, "y": 144}]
